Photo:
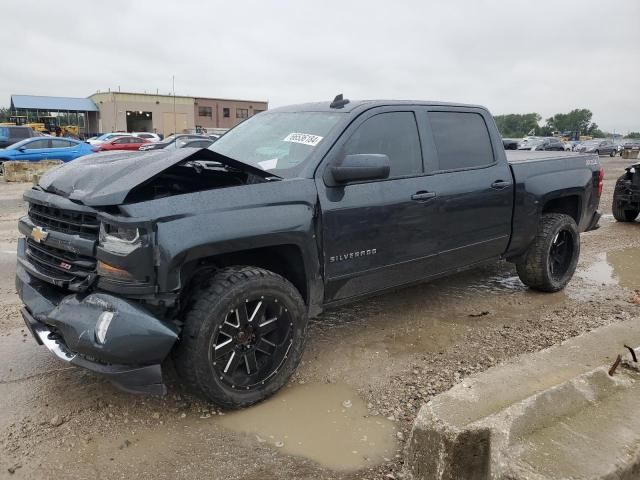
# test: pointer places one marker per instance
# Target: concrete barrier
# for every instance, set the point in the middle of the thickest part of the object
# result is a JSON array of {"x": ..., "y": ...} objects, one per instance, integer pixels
[
  {"x": 26, "y": 171},
  {"x": 547, "y": 415},
  {"x": 628, "y": 154}
]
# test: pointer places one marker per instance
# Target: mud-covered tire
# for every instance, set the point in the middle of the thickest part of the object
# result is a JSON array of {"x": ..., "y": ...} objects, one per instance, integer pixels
[
  {"x": 539, "y": 270},
  {"x": 621, "y": 211},
  {"x": 212, "y": 306},
  {"x": 623, "y": 214}
]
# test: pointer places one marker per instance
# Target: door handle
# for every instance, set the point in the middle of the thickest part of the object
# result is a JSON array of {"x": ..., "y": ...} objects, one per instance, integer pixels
[
  {"x": 423, "y": 196},
  {"x": 500, "y": 184}
]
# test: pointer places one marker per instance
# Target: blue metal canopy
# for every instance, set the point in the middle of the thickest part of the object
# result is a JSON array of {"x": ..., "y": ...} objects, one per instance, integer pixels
[{"x": 36, "y": 102}]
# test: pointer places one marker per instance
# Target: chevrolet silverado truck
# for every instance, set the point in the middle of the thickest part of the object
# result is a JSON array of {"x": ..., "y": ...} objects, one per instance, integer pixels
[
  {"x": 626, "y": 196},
  {"x": 214, "y": 259}
]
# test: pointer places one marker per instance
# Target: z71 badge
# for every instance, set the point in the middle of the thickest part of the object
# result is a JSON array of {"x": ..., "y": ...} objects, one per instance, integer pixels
[{"x": 352, "y": 255}]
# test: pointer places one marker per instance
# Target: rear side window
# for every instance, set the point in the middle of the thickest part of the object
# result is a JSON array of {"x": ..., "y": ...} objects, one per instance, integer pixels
[
  {"x": 4, "y": 132},
  {"x": 17, "y": 132},
  {"x": 60, "y": 143},
  {"x": 394, "y": 134},
  {"x": 44, "y": 143},
  {"x": 461, "y": 139}
]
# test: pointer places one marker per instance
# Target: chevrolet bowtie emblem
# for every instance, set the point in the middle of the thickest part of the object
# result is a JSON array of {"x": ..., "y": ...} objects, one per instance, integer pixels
[{"x": 38, "y": 234}]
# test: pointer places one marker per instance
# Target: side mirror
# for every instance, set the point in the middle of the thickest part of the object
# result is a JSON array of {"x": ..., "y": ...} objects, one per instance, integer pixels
[
  {"x": 359, "y": 167},
  {"x": 21, "y": 149}
]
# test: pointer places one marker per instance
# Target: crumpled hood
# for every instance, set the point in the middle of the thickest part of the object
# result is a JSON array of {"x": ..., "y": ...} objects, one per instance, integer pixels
[{"x": 106, "y": 178}]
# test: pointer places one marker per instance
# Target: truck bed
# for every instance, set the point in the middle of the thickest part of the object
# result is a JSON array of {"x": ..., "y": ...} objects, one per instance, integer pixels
[{"x": 521, "y": 156}]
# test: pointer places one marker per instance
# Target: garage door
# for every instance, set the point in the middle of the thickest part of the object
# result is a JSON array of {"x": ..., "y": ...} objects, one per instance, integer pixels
[{"x": 168, "y": 125}]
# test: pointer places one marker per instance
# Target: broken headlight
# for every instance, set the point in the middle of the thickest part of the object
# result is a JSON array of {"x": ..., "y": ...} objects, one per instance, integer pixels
[{"x": 119, "y": 239}]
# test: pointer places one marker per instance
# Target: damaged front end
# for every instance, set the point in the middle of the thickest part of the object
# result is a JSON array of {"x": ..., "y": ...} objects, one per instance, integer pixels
[
  {"x": 86, "y": 270},
  {"x": 627, "y": 189}
]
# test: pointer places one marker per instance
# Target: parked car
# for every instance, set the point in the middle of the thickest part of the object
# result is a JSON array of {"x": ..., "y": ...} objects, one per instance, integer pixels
[
  {"x": 172, "y": 141},
  {"x": 598, "y": 146},
  {"x": 624, "y": 143},
  {"x": 11, "y": 135},
  {"x": 626, "y": 195},
  {"x": 152, "y": 137},
  {"x": 105, "y": 137},
  {"x": 123, "y": 143},
  {"x": 219, "y": 256},
  {"x": 510, "y": 143},
  {"x": 196, "y": 143},
  {"x": 543, "y": 144},
  {"x": 46, "y": 148}
]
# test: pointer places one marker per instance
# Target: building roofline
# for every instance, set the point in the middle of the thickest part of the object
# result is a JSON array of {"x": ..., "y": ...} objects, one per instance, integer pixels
[{"x": 179, "y": 96}]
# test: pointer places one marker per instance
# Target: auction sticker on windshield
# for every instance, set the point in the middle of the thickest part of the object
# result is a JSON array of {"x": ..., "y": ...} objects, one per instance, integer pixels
[{"x": 304, "y": 138}]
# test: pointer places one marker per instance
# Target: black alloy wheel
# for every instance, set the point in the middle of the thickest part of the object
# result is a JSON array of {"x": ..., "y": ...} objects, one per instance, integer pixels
[
  {"x": 561, "y": 254},
  {"x": 252, "y": 343}
]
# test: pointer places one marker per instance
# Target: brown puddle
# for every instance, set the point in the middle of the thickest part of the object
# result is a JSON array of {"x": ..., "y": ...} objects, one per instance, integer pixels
[
  {"x": 326, "y": 423},
  {"x": 618, "y": 267}
]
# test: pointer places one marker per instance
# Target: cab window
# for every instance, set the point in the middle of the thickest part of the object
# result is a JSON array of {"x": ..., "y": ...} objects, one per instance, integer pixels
[
  {"x": 461, "y": 139},
  {"x": 394, "y": 134}
]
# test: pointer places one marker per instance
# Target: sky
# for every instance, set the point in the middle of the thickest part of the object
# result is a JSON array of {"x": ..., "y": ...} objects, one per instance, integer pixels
[{"x": 511, "y": 56}]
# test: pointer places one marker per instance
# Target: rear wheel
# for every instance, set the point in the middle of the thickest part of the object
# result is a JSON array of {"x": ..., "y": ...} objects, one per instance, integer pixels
[
  {"x": 553, "y": 256},
  {"x": 243, "y": 337},
  {"x": 597, "y": 152}
]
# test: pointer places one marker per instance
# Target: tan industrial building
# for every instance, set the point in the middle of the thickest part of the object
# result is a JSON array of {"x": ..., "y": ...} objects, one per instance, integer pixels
[
  {"x": 223, "y": 113},
  {"x": 167, "y": 114}
]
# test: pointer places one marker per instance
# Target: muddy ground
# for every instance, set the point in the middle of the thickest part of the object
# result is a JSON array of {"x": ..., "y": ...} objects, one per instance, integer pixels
[{"x": 348, "y": 410}]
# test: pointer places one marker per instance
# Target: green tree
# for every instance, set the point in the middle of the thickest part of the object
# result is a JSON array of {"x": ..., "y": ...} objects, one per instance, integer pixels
[
  {"x": 576, "y": 121},
  {"x": 517, "y": 125},
  {"x": 634, "y": 135},
  {"x": 4, "y": 114}
]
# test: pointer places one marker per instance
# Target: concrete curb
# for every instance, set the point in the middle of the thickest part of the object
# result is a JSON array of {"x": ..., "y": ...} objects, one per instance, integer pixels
[{"x": 558, "y": 427}]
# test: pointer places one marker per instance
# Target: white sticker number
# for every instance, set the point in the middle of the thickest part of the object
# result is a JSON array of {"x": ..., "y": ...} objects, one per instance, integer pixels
[{"x": 304, "y": 138}]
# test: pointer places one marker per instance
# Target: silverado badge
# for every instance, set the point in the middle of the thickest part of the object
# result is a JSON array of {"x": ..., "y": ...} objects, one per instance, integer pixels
[{"x": 38, "y": 234}]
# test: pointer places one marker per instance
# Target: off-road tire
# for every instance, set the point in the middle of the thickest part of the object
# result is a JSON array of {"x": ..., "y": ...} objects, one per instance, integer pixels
[
  {"x": 208, "y": 307},
  {"x": 534, "y": 270},
  {"x": 623, "y": 214},
  {"x": 620, "y": 211}
]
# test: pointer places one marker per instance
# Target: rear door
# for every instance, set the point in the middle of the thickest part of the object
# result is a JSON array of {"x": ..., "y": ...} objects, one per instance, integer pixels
[
  {"x": 61, "y": 149},
  {"x": 376, "y": 234},
  {"x": 472, "y": 183},
  {"x": 135, "y": 142}
]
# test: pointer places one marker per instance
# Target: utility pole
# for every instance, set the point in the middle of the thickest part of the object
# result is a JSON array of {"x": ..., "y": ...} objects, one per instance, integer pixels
[{"x": 173, "y": 87}]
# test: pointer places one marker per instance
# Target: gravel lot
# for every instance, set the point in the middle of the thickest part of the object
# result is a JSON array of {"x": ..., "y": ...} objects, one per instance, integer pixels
[{"x": 349, "y": 408}]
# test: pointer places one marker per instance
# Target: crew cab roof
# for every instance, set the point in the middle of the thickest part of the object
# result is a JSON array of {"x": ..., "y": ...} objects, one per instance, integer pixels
[{"x": 354, "y": 105}]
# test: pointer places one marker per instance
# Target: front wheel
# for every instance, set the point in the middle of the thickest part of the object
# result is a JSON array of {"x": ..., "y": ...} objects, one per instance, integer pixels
[
  {"x": 613, "y": 153},
  {"x": 622, "y": 213},
  {"x": 553, "y": 256},
  {"x": 243, "y": 337}
]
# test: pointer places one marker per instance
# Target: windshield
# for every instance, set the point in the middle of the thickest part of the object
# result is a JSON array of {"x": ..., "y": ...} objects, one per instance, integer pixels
[{"x": 277, "y": 142}]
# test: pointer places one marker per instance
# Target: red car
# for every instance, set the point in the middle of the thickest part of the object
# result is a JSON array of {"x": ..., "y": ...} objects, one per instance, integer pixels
[{"x": 123, "y": 143}]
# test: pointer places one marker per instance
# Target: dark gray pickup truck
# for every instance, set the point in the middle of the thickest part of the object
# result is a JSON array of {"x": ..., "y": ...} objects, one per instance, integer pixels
[{"x": 216, "y": 258}]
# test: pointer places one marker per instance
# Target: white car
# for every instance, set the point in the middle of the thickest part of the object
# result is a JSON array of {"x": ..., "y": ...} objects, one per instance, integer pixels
[
  {"x": 105, "y": 137},
  {"x": 152, "y": 137}
]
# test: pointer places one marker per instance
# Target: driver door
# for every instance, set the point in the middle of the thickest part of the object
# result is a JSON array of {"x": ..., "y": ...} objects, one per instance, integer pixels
[
  {"x": 35, "y": 150},
  {"x": 376, "y": 233}
]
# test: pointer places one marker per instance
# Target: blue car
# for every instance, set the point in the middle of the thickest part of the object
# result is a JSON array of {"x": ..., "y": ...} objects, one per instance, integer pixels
[{"x": 46, "y": 148}]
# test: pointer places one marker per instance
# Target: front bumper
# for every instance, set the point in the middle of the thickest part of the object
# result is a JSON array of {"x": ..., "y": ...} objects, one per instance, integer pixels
[{"x": 135, "y": 345}]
